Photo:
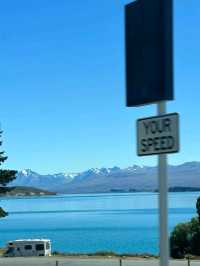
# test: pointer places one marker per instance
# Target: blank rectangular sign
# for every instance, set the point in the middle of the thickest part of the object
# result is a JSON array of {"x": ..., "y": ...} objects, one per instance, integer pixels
[
  {"x": 149, "y": 51},
  {"x": 158, "y": 134}
]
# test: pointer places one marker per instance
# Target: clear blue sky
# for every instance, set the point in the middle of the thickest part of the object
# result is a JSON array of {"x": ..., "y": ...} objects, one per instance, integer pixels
[{"x": 63, "y": 86}]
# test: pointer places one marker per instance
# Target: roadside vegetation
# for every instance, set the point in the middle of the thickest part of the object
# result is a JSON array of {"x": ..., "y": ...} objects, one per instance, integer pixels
[
  {"x": 6, "y": 176},
  {"x": 105, "y": 254},
  {"x": 185, "y": 238}
]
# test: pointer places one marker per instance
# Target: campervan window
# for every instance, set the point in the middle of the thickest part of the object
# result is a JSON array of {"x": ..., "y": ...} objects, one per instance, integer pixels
[
  {"x": 47, "y": 245},
  {"x": 39, "y": 247},
  {"x": 28, "y": 247}
]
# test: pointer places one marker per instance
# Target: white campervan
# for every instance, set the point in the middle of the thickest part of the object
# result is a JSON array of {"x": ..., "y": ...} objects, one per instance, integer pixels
[{"x": 28, "y": 247}]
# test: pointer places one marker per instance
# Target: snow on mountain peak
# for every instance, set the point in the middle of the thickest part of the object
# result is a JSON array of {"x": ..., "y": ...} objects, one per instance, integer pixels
[
  {"x": 24, "y": 172},
  {"x": 70, "y": 175},
  {"x": 103, "y": 170},
  {"x": 27, "y": 172},
  {"x": 96, "y": 170}
]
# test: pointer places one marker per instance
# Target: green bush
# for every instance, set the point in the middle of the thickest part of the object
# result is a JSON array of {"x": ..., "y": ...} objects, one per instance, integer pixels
[
  {"x": 105, "y": 253},
  {"x": 198, "y": 208},
  {"x": 179, "y": 241},
  {"x": 3, "y": 213},
  {"x": 185, "y": 238},
  {"x": 195, "y": 237}
]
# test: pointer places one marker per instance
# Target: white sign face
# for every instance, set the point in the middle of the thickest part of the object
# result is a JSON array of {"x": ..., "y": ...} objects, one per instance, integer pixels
[{"x": 159, "y": 134}]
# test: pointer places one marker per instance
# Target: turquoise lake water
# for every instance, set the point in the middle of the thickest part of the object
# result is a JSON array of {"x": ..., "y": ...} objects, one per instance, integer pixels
[{"x": 124, "y": 223}]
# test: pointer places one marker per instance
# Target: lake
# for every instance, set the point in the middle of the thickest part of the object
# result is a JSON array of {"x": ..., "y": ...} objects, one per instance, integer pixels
[{"x": 124, "y": 223}]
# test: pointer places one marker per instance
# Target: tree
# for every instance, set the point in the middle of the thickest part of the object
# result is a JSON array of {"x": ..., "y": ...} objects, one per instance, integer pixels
[
  {"x": 185, "y": 238},
  {"x": 3, "y": 213},
  {"x": 195, "y": 236},
  {"x": 6, "y": 176},
  {"x": 179, "y": 240},
  {"x": 198, "y": 207}
]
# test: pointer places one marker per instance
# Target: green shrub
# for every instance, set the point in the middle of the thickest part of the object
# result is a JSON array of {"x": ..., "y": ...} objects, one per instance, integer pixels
[
  {"x": 3, "y": 213},
  {"x": 179, "y": 241},
  {"x": 105, "y": 253},
  {"x": 195, "y": 237},
  {"x": 198, "y": 208},
  {"x": 185, "y": 238}
]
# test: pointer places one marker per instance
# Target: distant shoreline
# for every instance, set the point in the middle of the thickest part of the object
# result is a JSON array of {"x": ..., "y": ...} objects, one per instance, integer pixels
[
  {"x": 19, "y": 191},
  {"x": 37, "y": 192},
  {"x": 171, "y": 189}
]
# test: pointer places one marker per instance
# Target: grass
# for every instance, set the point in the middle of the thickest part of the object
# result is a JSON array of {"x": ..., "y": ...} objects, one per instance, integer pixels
[
  {"x": 105, "y": 254},
  {"x": 2, "y": 250}
]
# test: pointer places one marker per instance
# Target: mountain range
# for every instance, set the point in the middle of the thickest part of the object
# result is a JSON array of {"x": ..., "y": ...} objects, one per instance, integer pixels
[{"x": 94, "y": 180}]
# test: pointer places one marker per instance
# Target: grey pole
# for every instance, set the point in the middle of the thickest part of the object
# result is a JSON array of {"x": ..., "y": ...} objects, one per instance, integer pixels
[
  {"x": 163, "y": 200},
  {"x": 188, "y": 258}
]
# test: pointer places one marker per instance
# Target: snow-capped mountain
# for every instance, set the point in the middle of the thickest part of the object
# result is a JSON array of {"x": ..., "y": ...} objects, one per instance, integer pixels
[
  {"x": 111, "y": 179},
  {"x": 49, "y": 182}
]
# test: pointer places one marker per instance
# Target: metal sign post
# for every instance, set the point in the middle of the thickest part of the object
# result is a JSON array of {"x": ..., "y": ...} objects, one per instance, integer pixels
[
  {"x": 149, "y": 79},
  {"x": 159, "y": 135},
  {"x": 163, "y": 200}
]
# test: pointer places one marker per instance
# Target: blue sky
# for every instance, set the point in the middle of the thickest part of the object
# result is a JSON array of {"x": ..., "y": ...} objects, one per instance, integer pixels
[{"x": 63, "y": 85}]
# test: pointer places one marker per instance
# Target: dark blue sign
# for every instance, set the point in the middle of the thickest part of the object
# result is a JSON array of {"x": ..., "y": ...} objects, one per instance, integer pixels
[{"x": 149, "y": 51}]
